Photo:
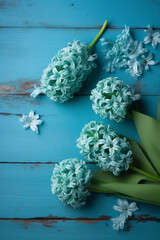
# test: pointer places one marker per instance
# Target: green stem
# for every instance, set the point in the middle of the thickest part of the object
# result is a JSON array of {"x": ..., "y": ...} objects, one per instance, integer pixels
[
  {"x": 153, "y": 178},
  {"x": 98, "y": 35}
]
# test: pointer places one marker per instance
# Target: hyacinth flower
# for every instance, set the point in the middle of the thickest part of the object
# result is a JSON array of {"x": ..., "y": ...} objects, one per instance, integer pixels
[
  {"x": 125, "y": 209},
  {"x": 153, "y": 37},
  {"x": 112, "y": 99},
  {"x": 67, "y": 70},
  {"x": 102, "y": 145},
  {"x": 115, "y": 154},
  {"x": 70, "y": 180},
  {"x": 126, "y": 53}
]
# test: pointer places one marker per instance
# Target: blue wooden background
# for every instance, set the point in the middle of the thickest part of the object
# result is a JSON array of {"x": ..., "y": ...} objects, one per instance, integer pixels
[{"x": 31, "y": 32}]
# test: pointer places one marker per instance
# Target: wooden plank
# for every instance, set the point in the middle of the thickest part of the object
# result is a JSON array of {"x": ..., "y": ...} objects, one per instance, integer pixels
[
  {"x": 62, "y": 126},
  {"x": 25, "y": 192},
  {"x": 26, "y": 52},
  {"x": 82, "y": 13},
  {"x": 62, "y": 230}
]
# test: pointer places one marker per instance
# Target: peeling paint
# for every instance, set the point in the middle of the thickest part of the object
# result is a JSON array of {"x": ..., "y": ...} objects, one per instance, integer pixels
[
  {"x": 93, "y": 221},
  {"x": 27, "y": 85},
  {"x": 6, "y": 88},
  {"x": 87, "y": 221},
  {"x": 19, "y": 86},
  {"x": 35, "y": 165},
  {"x": 51, "y": 220},
  {"x": 11, "y": 99},
  {"x": 145, "y": 218},
  {"x": 8, "y": 114}
]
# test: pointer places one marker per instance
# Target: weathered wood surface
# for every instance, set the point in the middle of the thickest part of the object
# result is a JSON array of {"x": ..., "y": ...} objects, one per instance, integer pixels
[
  {"x": 62, "y": 126},
  {"x": 26, "y": 52},
  {"x": 25, "y": 193},
  {"x": 81, "y": 13},
  {"x": 31, "y": 32}
]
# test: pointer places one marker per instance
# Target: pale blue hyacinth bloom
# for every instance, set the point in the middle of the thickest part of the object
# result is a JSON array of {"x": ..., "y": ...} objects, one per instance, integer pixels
[
  {"x": 135, "y": 68},
  {"x": 147, "y": 61},
  {"x": 70, "y": 180},
  {"x": 125, "y": 52},
  {"x": 66, "y": 72},
  {"x": 125, "y": 208},
  {"x": 153, "y": 37},
  {"x": 100, "y": 144},
  {"x": 31, "y": 121},
  {"x": 112, "y": 98},
  {"x": 118, "y": 222}
]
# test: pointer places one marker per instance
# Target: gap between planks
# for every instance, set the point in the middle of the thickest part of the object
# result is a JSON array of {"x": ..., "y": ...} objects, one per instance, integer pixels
[
  {"x": 38, "y": 163},
  {"x": 138, "y": 218},
  {"x": 76, "y": 28}
]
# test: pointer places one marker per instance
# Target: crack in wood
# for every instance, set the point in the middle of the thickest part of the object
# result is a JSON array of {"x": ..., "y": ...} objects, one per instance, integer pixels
[
  {"x": 38, "y": 163},
  {"x": 8, "y": 114},
  {"x": 76, "y": 28},
  {"x": 50, "y": 220}
]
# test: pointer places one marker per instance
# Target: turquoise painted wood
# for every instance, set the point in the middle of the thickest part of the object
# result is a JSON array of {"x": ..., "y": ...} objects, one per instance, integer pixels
[
  {"x": 31, "y": 32},
  {"x": 62, "y": 126},
  {"x": 81, "y": 13},
  {"x": 94, "y": 230},
  {"x": 28, "y": 51},
  {"x": 25, "y": 193}
]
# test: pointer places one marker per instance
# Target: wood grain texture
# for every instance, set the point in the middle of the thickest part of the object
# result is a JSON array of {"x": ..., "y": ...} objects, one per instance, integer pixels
[
  {"x": 79, "y": 13},
  {"x": 31, "y": 33},
  {"x": 25, "y": 192},
  {"x": 26, "y": 52},
  {"x": 63, "y": 229},
  {"x": 62, "y": 126}
]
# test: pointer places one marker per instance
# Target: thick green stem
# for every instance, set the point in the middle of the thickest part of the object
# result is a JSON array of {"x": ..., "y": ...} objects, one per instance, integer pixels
[
  {"x": 98, "y": 35},
  {"x": 153, "y": 178}
]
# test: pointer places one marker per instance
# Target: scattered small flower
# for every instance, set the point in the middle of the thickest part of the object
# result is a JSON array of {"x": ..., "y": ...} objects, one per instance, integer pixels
[
  {"x": 134, "y": 68},
  {"x": 146, "y": 61},
  {"x": 100, "y": 144},
  {"x": 125, "y": 210},
  {"x": 153, "y": 37},
  {"x": 126, "y": 52},
  {"x": 31, "y": 121},
  {"x": 118, "y": 222},
  {"x": 70, "y": 180}
]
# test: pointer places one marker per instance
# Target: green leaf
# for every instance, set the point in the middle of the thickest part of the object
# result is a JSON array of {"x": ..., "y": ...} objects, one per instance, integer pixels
[
  {"x": 125, "y": 177},
  {"x": 149, "y": 133},
  {"x": 149, "y": 193},
  {"x": 140, "y": 160},
  {"x": 158, "y": 112},
  {"x": 128, "y": 185}
]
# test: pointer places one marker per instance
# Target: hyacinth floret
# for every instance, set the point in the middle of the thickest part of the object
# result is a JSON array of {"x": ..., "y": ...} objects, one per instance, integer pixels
[{"x": 125, "y": 52}]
